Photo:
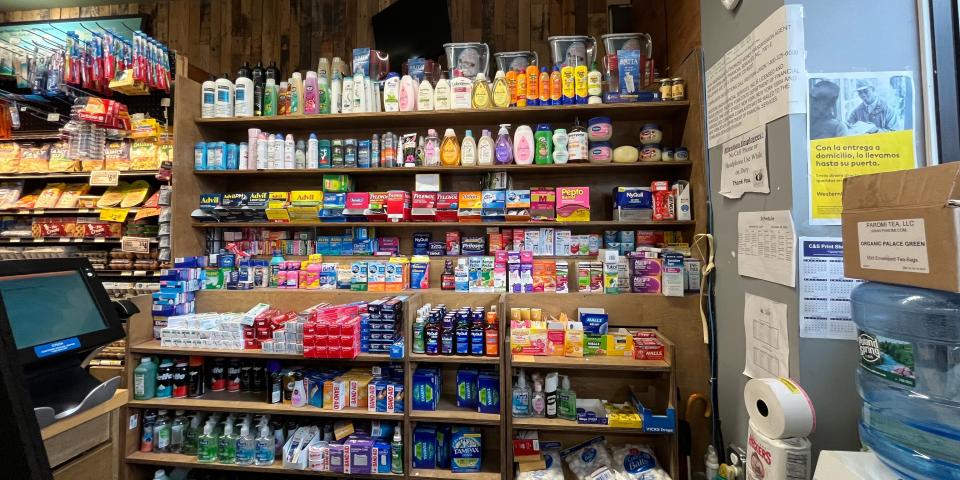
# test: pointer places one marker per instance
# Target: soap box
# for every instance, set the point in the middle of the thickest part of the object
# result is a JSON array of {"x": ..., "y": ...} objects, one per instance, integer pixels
[{"x": 573, "y": 204}]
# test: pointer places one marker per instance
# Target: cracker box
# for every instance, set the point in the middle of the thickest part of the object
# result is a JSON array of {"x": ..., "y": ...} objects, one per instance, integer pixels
[{"x": 573, "y": 204}]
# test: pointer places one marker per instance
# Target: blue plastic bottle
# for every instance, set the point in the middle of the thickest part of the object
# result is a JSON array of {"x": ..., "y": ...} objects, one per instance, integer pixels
[
  {"x": 275, "y": 262},
  {"x": 909, "y": 377}
]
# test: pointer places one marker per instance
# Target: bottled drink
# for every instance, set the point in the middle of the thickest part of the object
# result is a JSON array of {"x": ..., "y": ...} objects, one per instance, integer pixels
[{"x": 909, "y": 342}]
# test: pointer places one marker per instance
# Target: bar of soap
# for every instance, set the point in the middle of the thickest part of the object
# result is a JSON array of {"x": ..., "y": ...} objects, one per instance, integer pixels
[{"x": 625, "y": 154}]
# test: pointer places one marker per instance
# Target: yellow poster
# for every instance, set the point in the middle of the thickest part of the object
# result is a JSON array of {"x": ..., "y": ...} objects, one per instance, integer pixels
[{"x": 858, "y": 123}]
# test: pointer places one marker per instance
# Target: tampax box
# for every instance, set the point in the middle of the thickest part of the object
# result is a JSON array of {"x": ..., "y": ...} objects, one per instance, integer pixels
[
  {"x": 447, "y": 205},
  {"x": 573, "y": 204},
  {"x": 904, "y": 227}
]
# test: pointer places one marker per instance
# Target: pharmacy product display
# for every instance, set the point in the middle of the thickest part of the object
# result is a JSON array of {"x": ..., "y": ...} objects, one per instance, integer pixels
[
  {"x": 589, "y": 334},
  {"x": 544, "y": 459},
  {"x": 465, "y": 331},
  {"x": 348, "y": 447},
  {"x": 476, "y": 389},
  {"x": 276, "y": 151},
  {"x": 905, "y": 378},
  {"x": 367, "y": 85},
  {"x": 457, "y": 448}
]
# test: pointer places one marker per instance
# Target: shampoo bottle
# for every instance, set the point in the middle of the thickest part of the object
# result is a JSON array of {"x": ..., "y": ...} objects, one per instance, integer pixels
[
  {"x": 500, "y": 91},
  {"x": 450, "y": 149},
  {"x": 560, "y": 146},
  {"x": 480, "y": 98},
  {"x": 336, "y": 88},
  {"x": 441, "y": 94},
  {"x": 580, "y": 83},
  {"x": 243, "y": 94},
  {"x": 533, "y": 84},
  {"x": 270, "y": 98},
  {"x": 461, "y": 89},
  {"x": 468, "y": 149},
  {"x": 544, "y": 145},
  {"x": 208, "y": 98},
  {"x": 485, "y": 148},
  {"x": 391, "y": 93},
  {"x": 296, "y": 94},
  {"x": 520, "y": 403},
  {"x": 425, "y": 96},
  {"x": 257, "y": 75},
  {"x": 323, "y": 68},
  {"x": 523, "y": 150},
  {"x": 407, "y": 96},
  {"x": 503, "y": 152},
  {"x": 283, "y": 99},
  {"x": 310, "y": 101},
  {"x": 544, "y": 86},
  {"x": 556, "y": 86},
  {"x": 567, "y": 86},
  {"x": 323, "y": 95}
]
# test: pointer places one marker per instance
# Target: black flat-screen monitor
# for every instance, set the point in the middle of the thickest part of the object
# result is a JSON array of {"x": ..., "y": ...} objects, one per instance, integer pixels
[{"x": 56, "y": 307}]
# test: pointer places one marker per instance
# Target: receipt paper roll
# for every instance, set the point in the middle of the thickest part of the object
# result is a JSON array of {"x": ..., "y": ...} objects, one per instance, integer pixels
[{"x": 779, "y": 408}]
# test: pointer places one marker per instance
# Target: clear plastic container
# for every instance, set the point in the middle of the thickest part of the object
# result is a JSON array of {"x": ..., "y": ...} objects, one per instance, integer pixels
[
  {"x": 909, "y": 377},
  {"x": 467, "y": 58},
  {"x": 516, "y": 61},
  {"x": 573, "y": 50}
]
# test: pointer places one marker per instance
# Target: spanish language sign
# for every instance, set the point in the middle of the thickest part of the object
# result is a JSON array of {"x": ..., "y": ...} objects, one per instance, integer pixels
[{"x": 858, "y": 123}]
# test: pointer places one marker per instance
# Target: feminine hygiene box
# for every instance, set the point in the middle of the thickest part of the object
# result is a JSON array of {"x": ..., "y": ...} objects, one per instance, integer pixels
[{"x": 903, "y": 227}]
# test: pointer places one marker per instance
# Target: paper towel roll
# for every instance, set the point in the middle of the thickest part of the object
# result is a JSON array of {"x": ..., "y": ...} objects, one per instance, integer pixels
[
  {"x": 776, "y": 459},
  {"x": 779, "y": 408}
]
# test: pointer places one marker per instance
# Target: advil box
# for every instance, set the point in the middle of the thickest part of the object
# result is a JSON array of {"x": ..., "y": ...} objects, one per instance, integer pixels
[{"x": 904, "y": 227}]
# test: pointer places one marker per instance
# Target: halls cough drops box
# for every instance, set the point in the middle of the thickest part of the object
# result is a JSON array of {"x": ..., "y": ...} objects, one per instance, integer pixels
[{"x": 573, "y": 204}]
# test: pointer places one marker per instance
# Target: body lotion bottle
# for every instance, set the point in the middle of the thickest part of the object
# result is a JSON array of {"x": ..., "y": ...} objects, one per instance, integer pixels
[
  {"x": 485, "y": 148},
  {"x": 523, "y": 150}
]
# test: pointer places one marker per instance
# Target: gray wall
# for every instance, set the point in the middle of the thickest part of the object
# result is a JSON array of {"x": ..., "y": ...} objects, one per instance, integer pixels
[{"x": 840, "y": 36}]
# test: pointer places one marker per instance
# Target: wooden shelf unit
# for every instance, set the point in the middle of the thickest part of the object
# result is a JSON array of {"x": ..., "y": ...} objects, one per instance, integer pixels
[
  {"x": 460, "y": 170},
  {"x": 189, "y": 461},
  {"x": 676, "y": 318}
]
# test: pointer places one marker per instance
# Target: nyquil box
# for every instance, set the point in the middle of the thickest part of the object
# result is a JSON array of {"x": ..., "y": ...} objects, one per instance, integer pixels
[{"x": 904, "y": 227}]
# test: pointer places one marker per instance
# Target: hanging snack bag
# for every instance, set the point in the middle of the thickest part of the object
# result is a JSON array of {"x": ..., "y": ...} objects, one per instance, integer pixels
[
  {"x": 34, "y": 159},
  {"x": 59, "y": 159}
]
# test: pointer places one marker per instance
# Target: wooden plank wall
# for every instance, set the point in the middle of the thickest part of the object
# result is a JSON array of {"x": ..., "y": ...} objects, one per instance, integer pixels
[{"x": 218, "y": 35}]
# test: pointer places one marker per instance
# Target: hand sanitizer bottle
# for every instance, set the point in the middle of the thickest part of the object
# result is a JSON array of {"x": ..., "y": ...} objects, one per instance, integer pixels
[
  {"x": 264, "y": 452},
  {"x": 521, "y": 397},
  {"x": 227, "y": 445},
  {"x": 208, "y": 443},
  {"x": 568, "y": 400},
  {"x": 246, "y": 446},
  {"x": 396, "y": 452}
]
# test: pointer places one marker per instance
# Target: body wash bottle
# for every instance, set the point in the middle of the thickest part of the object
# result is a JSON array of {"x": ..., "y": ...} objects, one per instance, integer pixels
[
  {"x": 310, "y": 103},
  {"x": 523, "y": 150},
  {"x": 485, "y": 148},
  {"x": 270, "y": 98},
  {"x": 441, "y": 94},
  {"x": 425, "y": 96},
  {"x": 481, "y": 92},
  {"x": 503, "y": 152},
  {"x": 520, "y": 403},
  {"x": 391, "y": 93},
  {"x": 544, "y": 145},
  {"x": 323, "y": 95},
  {"x": 468, "y": 149},
  {"x": 567, "y": 408},
  {"x": 296, "y": 94}
]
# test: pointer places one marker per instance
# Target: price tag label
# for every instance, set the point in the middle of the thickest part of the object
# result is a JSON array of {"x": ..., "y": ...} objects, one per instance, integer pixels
[
  {"x": 38, "y": 211},
  {"x": 64, "y": 239},
  {"x": 83, "y": 210},
  {"x": 53, "y": 117},
  {"x": 23, "y": 212},
  {"x": 135, "y": 244},
  {"x": 141, "y": 273},
  {"x": 114, "y": 214},
  {"x": 98, "y": 240},
  {"x": 14, "y": 240},
  {"x": 77, "y": 240},
  {"x": 39, "y": 240},
  {"x": 165, "y": 102},
  {"x": 126, "y": 274},
  {"x": 104, "y": 178}
]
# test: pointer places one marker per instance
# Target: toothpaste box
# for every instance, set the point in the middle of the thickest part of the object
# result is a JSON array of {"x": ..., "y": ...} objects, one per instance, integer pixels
[{"x": 573, "y": 204}]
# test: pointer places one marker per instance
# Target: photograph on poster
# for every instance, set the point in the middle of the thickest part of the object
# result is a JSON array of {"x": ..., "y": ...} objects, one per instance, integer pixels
[{"x": 860, "y": 104}]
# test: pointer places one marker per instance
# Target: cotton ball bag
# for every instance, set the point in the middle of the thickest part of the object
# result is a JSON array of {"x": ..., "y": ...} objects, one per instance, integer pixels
[
  {"x": 591, "y": 460},
  {"x": 554, "y": 470},
  {"x": 637, "y": 462}
]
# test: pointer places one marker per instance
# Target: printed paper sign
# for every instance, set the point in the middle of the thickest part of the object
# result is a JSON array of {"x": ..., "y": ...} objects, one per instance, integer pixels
[
  {"x": 104, "y": 178},
  {"x": 135, "y": 244},
  {"x": 766, "y": 242},
  {"x": 895, "y": 245},
  {"x": 767, "y": 339},
  {"x": 743, "y": 164},
  {"x": 114, "y": 214},
  {"x": 824, "y": 291}
]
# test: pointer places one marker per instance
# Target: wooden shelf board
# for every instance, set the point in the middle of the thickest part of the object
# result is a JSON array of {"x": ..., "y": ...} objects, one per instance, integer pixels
[
  {"x": 154, "y": 347},
  {"x": 244, "y": 403},
  {"x": 424, "y": 358},
  {"x": 447, "y": 411},
  {"x": 597, "y": 362},
  {"x": 354, "y": 121},
  {"x": 189, "y": 461},
  {"x": 618, "y": 168},
  {"x": 559, "y": 424},
  {"x": 448, "y": 225},
  {"x": 113, "y": 403},
  {"x": 488, "y": 472}
]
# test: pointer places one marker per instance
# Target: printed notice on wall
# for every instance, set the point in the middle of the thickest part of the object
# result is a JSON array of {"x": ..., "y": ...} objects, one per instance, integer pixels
[
  {"x": 743, "y": 164},
  {"x": 859, "y": 123},
  {"x": 758, "y": 80},
  {"x": 768, "y": 341},
  {"x": 765, "y": 246},
  {"x": 824, "y": 291}
]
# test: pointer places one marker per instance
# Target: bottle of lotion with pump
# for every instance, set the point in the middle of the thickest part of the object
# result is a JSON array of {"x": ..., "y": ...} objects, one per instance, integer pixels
[
  {"x": 243, "y": 93},
  {"x": 208, "y": 98},
  {"x": 485, "y": 148},
  {"x": 407, "y": 97},
  {"x": 425, "y": 96},
  {"x": 523, "y": 149},
  {"x": 310, "y": 101},
  {"x": 468, "y": 149},
  {"x": 391, "y": 93},
  {"x": 441, "y": 94},
  {"x": 480, "y": 98},
  {"x": 500, "y": 91},
  {"x": 503, "y": 151}
]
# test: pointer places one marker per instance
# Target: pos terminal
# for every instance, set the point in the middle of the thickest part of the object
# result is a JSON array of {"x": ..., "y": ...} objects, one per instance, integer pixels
[{"x": 58, "y": 313}]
